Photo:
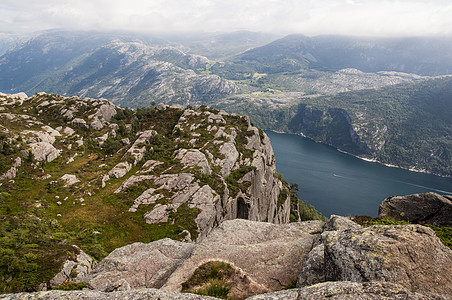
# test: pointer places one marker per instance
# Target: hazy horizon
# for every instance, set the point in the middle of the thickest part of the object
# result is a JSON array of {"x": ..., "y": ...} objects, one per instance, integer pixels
[{"x": 372, "y": 18}]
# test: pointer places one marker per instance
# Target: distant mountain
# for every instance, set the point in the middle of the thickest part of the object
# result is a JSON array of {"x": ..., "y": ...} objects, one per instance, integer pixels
[
  {"x": 129, "y": 71},
  {"x": 330, "y": 80},
  {"x": 220, "y": 46},
  {"x": 423, "y": 56}
]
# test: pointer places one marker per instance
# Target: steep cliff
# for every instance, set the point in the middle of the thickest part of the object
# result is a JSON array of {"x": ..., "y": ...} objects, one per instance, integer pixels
[{"x": 84, "y": 171}]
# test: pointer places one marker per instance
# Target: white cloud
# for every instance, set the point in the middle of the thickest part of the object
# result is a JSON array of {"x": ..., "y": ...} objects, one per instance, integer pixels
[{"x": 312, "y": 17}]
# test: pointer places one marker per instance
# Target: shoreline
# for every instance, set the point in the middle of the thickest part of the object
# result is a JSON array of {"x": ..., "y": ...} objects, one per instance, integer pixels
[{"x": 411, "y": 169}]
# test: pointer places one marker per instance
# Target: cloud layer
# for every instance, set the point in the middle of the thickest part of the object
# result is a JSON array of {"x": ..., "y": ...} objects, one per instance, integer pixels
[{"x": 311, "y": 17}]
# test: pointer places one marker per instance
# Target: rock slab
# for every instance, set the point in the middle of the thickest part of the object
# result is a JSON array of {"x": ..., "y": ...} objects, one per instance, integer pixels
[
  {"x": 409, "y": 255},
  {"x": 140, "y": 265},
  {"x": 270, "y": 255},
  {"x": 430, "y": 208}
]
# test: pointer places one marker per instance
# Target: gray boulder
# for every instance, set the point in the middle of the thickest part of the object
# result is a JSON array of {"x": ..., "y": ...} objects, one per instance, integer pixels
[
  {"x": 270, "y": 255},
  {"x": 140, "y": 265},
  {"x": 138, "y": 294},
  {"x": 339, "y": 223},
  {"x": 313, "y": 268},
  {"x": 429, "y": 208},
  {"x": 74, "y": 270},
  {"x": 43, "y": 151},
  {"x": 342, "y": 290},
  {"x": 410, "y": 255}
]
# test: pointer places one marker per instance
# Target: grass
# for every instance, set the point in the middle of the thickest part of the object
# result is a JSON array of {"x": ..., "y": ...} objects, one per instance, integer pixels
[{"x": 210, "y": 279}]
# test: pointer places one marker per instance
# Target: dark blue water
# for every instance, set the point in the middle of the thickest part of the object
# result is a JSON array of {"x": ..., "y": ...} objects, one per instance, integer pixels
[{"x": 337, "y": 183}]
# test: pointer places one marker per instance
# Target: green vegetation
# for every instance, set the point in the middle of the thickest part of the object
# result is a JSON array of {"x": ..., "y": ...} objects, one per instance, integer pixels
[
  {"x": 292, "y": 284},
  {"x": 70, "y": 286},
  {"x": 232, "y": 180},
  {"x": 210, "y": 279},
  {"x": 444, "y": 234}
]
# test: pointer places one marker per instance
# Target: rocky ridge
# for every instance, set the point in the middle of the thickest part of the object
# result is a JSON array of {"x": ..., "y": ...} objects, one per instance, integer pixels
[{"x": 169, "y": 170}]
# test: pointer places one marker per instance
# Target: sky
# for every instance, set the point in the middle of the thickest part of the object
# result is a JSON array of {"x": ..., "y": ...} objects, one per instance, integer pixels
[{"x": 309, "y": 17}]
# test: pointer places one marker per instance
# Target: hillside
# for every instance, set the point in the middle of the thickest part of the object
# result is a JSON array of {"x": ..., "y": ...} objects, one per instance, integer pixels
[
  {"x": 122, "y": 68},
  {"x": 358, "y": 88},
  {"x": 419, "y": 55},
  {"x": 82, "y": 171},
  {"x": 405, "y": 125}
]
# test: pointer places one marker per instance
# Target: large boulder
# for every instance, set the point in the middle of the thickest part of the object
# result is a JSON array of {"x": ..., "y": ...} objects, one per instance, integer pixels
[
  {"x": 74, "y": 269},
  {"x": 43, "y": 151},
  {"x": 429, "y": 208},
  {"x": 269, "y": 255},
  {"x": 336, "y": 222},
  {"x": 410, "y": 255},
  {"x": 342, "y": 290},
  {"x": 140, "y": 265},
  {"x": 313, "y": 268},
  {"x": 137, "y": 294}
]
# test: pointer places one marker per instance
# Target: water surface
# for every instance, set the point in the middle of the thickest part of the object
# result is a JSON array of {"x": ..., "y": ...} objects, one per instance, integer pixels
[{"x": 338, "y": 183}]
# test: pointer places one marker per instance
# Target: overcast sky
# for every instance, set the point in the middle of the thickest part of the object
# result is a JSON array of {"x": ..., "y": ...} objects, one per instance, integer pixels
[{"x": 310, "y": 17}]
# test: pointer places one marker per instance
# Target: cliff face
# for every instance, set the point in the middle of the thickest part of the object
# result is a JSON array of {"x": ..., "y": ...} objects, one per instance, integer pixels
[
  {"x": 105, "y": 177},
  {"x": 332, "y": 126}
]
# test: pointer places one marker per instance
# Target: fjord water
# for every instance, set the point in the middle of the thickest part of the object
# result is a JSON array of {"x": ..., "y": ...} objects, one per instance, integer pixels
[{"x": 338, "y": 183}]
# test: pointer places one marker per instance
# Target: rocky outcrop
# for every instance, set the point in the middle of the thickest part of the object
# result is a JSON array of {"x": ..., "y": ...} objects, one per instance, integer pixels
[
  {"x": 137, "y": 294},
  {"x": 44, "y": 151},
  {"x": 69, "y": 180},
  {"x": 269, "y": 255},
  {"x": 341, "y": 290},
  {"x": 410, "y": 255},
  {"x": 74, "y": 269},
  {"x": 182, "y": 171},
  {"x": 313, "y": 268},
  {"x": 140, "y": 265},
  {"x": 237, "y": 165},
  {"x": 11, "y": 173},
  {"x": 329, "y": 290},
  {"x": 429, "y": 208}
]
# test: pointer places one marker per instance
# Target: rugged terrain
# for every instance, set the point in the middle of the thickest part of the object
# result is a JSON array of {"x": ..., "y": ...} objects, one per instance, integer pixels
[
  {"x": 338, "y": 259},
  {"x": 371, "y": 97},
  {"x": 83, "y": 171}
]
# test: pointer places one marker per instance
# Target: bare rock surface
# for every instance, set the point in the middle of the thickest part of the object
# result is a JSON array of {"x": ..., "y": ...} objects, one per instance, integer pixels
[
  {"x": 336, "y": 222},
  {"x": 347, "y": 290},
  {"x": 409, "y": 255},
  {"x": 141, "y": 265},
  {"x": 69, "y": 180},
  {"x": 313, "y": 268},
  {"x": 11, "y": 172},
  {"x": 270, "y": 255},
  {"x": 138, "y": 294},
  {"x": 428, "y": 208},
  {"x": 120, "y": 170},
  {"x": 43, "y": 151},
  {"x": 194, "y": 158},
  {"x": 74, "y": 270}
]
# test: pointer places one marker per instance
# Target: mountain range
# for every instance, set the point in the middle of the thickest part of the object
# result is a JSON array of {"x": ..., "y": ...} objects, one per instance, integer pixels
[{"x": 274, "y": 82}]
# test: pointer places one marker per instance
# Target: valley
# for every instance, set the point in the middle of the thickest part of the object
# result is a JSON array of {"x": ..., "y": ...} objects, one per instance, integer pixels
[{"x": 363, "y": 96}]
